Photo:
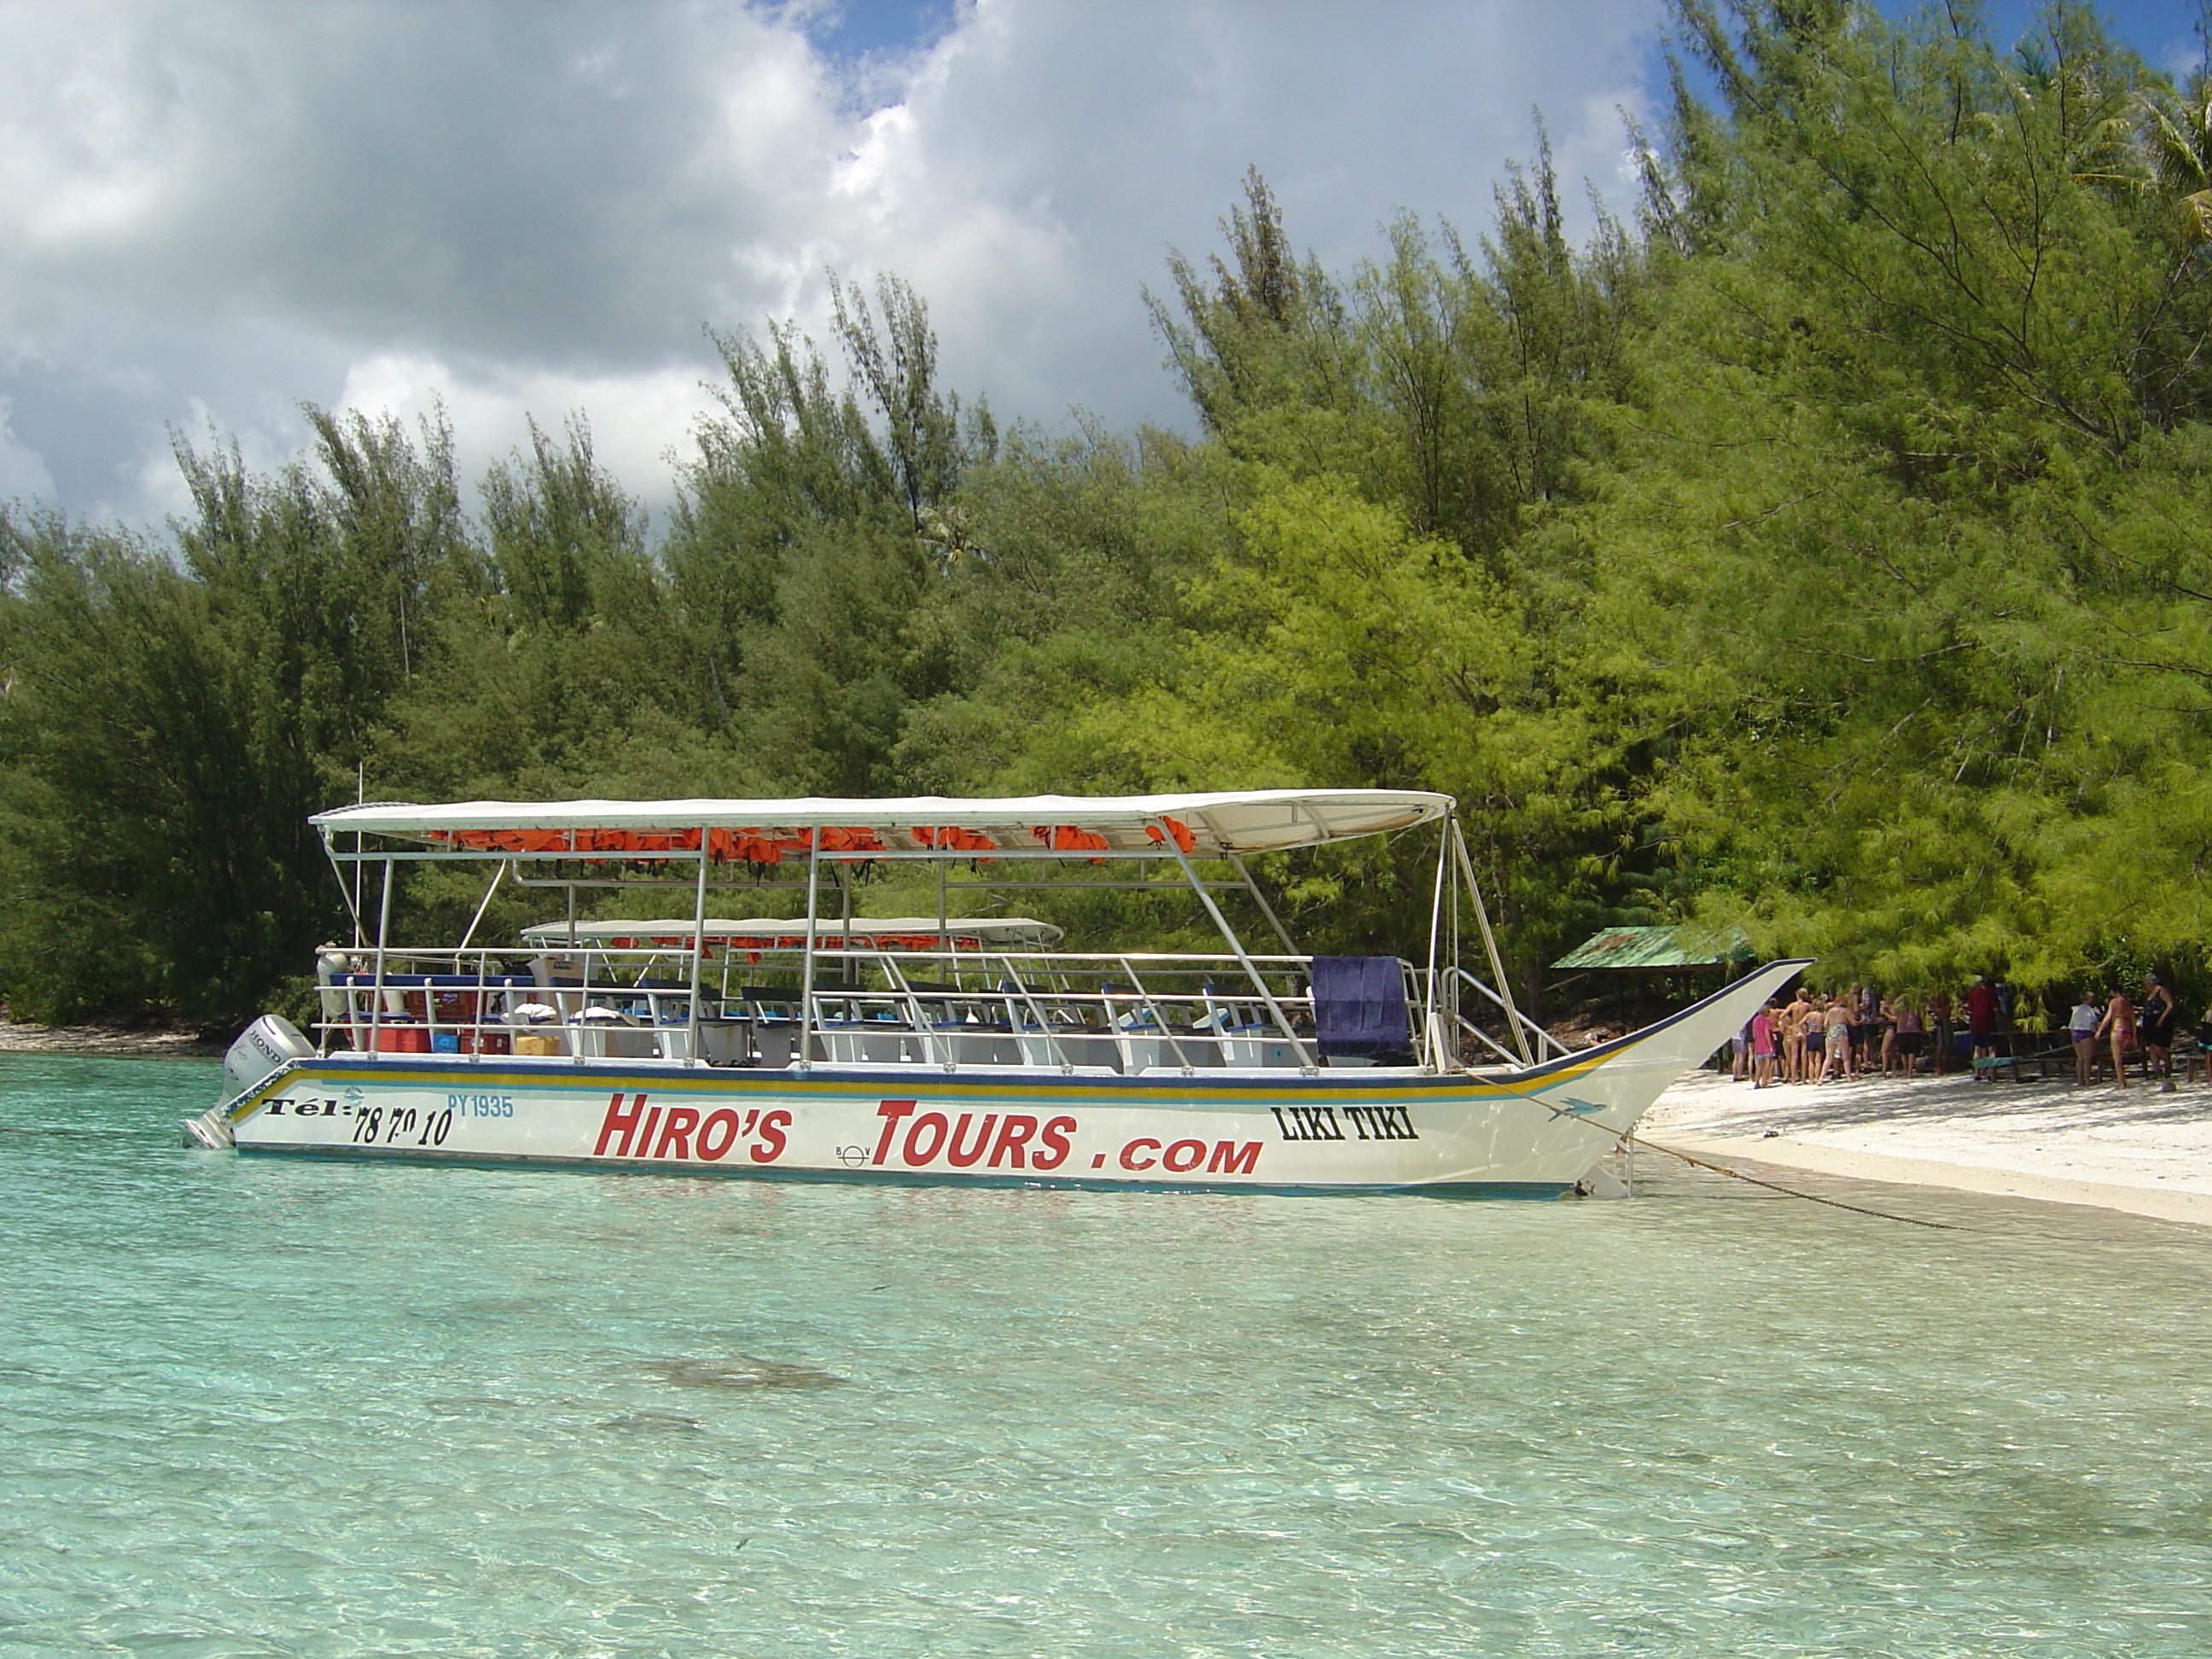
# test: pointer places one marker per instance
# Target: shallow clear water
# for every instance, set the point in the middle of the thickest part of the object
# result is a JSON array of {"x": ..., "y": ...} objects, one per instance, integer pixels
[{"x": 278, "y": 1406}]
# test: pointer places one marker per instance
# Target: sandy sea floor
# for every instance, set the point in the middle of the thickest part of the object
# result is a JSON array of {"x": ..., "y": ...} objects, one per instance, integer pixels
[{"x": 2134, "y": 1149}]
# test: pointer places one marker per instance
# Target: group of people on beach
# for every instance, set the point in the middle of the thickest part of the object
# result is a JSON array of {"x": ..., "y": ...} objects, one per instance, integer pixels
[
  {"x": 1815, "y": 1038},
  {"x": 2147, "y": 1025},
  {"x": 1819, "y": 1038}
]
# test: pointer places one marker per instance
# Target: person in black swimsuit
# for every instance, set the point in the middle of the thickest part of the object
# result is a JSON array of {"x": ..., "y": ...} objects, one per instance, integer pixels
[{"x": 2154, "y": 1031}]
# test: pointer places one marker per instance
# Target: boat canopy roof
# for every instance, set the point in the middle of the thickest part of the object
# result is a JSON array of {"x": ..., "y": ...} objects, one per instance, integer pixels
[
  {"x": 766, "y": 831},
  {"x": 789, "y": 933}
]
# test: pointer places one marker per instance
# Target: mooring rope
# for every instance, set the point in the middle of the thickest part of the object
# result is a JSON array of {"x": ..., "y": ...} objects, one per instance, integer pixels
[
  {"x": 1632, "y": 1138},
  {"x": 1776, "y": 1186}
]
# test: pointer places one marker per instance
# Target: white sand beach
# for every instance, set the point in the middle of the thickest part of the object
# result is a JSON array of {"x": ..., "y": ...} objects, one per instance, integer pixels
[
  {"x": 112, "y": 1041},
  {"x": 2134, "y": 1149}
]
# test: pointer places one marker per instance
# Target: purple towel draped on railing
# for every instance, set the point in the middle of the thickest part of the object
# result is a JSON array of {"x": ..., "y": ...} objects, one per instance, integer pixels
[{"x": 1359, "y": 1008}]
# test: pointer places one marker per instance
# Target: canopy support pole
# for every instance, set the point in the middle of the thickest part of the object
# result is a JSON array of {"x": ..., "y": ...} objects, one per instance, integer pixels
[
  {"x": 349, "y": 887},
  {"x": 1432, "y": 1033},
  {"x": 806, "y": 966},
  {"x": 1452, "y": 911},
  {"x": 1307, "y": 1060},
  {"x": 383, "y": 930},
  {"x": 1504, "y": 991},
  {"x": 481, "y": 908},
  {"x": 1266, "y": 908},
  {"x": 932, "y": 1045},
  {"x": 483, "y": 967},
  {"x": 360, "y": 794},
  {"x": 1045, "y": 1025},
  {"x": 692, "y": 1049},
  {"x": 1160, "y": 1022}
]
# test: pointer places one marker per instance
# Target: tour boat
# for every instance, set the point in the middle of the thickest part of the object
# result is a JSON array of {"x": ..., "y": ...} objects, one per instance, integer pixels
[{"x": 952, "y": 1048}]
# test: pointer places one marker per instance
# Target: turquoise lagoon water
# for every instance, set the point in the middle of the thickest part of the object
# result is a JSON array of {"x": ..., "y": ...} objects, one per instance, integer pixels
[{"x": 278, "y": 1406}]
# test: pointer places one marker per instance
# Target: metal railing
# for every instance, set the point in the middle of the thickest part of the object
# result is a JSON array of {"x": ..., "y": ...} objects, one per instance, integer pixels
[
  {"x": 1120, "y": 1012},
  {"x": 1547, "y": 1044}
]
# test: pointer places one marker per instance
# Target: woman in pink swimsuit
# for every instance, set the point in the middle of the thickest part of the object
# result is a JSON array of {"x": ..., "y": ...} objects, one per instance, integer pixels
[{"x": 2120, "y": 1021}]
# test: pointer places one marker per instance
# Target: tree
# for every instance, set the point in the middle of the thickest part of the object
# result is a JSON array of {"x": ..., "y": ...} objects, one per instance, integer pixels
[
  {"x": 809, "y": 536},
  {"x": 173, "y": 724},
  {"x": 1899, "y": 494}
]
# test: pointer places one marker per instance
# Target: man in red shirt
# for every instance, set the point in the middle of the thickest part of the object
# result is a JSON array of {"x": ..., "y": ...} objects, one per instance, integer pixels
[{"x": 1982, "y": 1018}]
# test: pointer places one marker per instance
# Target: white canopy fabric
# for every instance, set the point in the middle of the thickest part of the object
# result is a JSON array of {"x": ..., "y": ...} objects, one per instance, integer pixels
[
  {"x": 789, "y": 933},
  {"x": 1233, "y": 822}
]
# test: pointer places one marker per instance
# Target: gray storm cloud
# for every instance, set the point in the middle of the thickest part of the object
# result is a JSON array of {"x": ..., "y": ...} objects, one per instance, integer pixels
[{"x": 208, "y": 214}]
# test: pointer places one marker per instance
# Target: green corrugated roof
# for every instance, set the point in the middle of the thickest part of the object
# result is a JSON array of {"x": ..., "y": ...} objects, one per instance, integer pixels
[{"x": 1656, "y": 947}]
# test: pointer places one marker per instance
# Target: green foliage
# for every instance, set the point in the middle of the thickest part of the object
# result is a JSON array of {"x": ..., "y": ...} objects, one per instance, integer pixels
[
  {"x": 1821, "y": 551},
  {"x": 811, "y": 533},
  {"x": 171, "y": 723},
  {"x": 559, "y": 671},
  {"x": 1900, "y": 498}
]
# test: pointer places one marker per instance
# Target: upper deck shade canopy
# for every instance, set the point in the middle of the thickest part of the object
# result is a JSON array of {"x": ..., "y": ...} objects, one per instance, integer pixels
[
  {"x": 789, "y": 933},
  {"x": 766, "y": 831}
]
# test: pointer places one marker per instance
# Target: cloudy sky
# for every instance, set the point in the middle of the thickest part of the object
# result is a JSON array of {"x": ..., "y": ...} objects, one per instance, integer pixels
[{"x": 210, "y": 212}]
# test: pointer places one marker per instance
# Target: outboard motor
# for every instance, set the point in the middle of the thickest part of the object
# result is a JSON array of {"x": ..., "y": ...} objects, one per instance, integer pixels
[{"x": 269, "y": 1042}]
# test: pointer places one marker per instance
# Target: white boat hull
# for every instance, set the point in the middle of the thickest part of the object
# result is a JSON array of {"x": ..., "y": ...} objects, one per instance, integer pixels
[{"x": 1535, "y": 1132}]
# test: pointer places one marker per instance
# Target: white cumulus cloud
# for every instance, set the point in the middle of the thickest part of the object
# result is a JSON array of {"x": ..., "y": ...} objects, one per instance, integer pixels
[
  {"x": 221, "y": 210},
  {"x": 23, "y": 472}
]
